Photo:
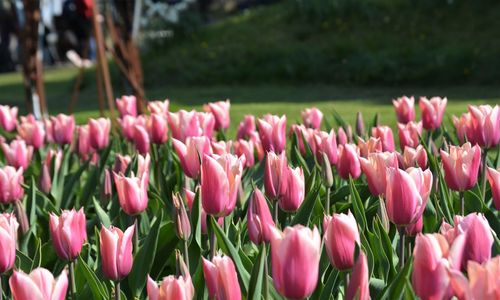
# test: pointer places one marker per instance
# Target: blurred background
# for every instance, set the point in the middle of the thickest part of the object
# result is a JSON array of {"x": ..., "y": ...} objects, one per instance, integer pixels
[{"x": 78, "y": 55}]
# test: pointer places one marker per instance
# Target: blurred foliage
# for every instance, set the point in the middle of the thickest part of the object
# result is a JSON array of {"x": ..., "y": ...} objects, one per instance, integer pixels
[{"x": 338, "y": 41}]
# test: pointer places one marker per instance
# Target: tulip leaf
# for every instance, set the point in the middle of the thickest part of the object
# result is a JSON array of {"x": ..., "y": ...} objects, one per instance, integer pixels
[
  {"x": 70, "y": 184},
  {"x": 143, "y": 259},
  {"x": 89, "y": 187},
  {"x": 229, "y": 249},
  {"x": 196, "y": 219},
  {"x": 97, "y": 286},
  {"x": 331, "y": 285},
  {"x": 357, "y": 205},
  {"x": 396, "y": 288},
  {"x": 256, "y": 279},
  {"x": 101, "y": 214},
  {"x": 306, "y": 208},
  {"x": 23, "y": 262}
]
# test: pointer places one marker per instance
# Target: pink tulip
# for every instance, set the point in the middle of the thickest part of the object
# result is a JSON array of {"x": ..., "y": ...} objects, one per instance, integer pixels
[
  {"x": 409, "y": 134},
  {"x": 132, "y": 192},
  {"x": 259, "y": 220},
  {"x": 63, "y": 127},
  {"x": 405, "y": 109},
  {"x": 40, "y": 284},
  {"x": 340, "y": 237},
  {"x": 49, "y": 131},
  {"x": 45, "y": 180},
  {"x": 245, "y": 148},
  {"x": 184, "y": 124},
  {"x": 374, "y": 167},
  {"x": 275, "y": 168},
  {"x": 342, "y": 138},
  {"x": 483, "y": 282},
  {"x": 359, "y": 286},
  {"x": 432, "y": 111},
  {"x": 433, "y": 258},
  {"x": 220, "y": 110},
  {"x": 485, "y": 124},
  {"x": 182, "y": 224},
  {"x": 292, "y": 189},
  {"x": 207, "y": 124},
  {"x": 220, "y": 180},
  {"x": 159, "y": 107},
  {"x": 128, "y": 123},
  {"x": 121, "y": 163},
  {"x": 157, "y": 128},
  {"x": 295, "y": 255},
  {"x": 31, "y": 131},
  {"x": 127, "y": 106},
  {"x": 99, "y": 132},
  {"x": 85, "y": 150},
  {"x": 478, "y": 236},
  {"x": 407, "y": 193},
  {"x": 246, "y": 127},
  {"x": 259, "y": 148},
  {"x": 8, "y": 241},
  {"x": 116, "y": 252},
  {"x": 68, "y": 233},
  {"x": 141, "y": 139},
  {"x": 222, "y": 147},
  {"x": 8, "y": 117},
  {"x": 415, "y": 228},
  {"x": 107, "y": 190},
  {"x": 312, "y": 117},
  {"x": 304, "y": 136},
  {"x": 11, "y": 181},
  {"x": 464, "y": 128},
  {"x": 18, "y": 154},
  {"x": 272, "y": 131},
  {"x": 384, "y": 133},
  {"x": 348, "y": 164},
  {"x": 328, "y": 145},
  {"x": 221, "y": 278},
  {"x": 372, "y": 145},
  {"x": 414, "y": 158},
  {"x": 461, "y": 166},
  {"x": 191, "y": 153},
  {"x": 190, "y": 201},
  {"x": 494, "y": 179},
  {"x": 172, "y": 287}
]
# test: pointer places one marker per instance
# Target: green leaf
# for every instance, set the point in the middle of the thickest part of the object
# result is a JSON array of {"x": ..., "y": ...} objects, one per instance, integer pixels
[
  {"x": 99, "y": 290},
  {"x": 143, "y": 260},
  {"x": 255, "y": 285},
  {"x": 230, "y": 250},
  {"x": 331, "y": 283},
  {"x": 396, "y": 288},
  {"x": 23, "y": 262},
  {"x": 357, "y": 205},
  {"x": 101, "y": 214},
  {"x": 196, "y": 219},
  {"x": 70, "y": 184}
]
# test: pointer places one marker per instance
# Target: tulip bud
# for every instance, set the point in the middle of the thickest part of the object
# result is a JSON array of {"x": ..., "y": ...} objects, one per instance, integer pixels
[
  {"x": 432, "y": 111},
  {"x": 85, "y": 150},
  {"x": 11, "y": 181},
  {"x": 157, "y": 128},
  {"x": 127, "y": 106},
  {"x": 409, "y": 134},
  {"x": 68, "y": 233},
  {"x": 31, "y": 131},
  {"x": 221, "y": 278},
  {"x": 141, "y": 139},
  {"x": 18, "y": 154},
  {"x": 360, "y": 124},
  {"x": 220, "y": 110},
  {"x": 312, "y": 117},
  {"x": 359, "y": 285},
  {"x": 259, "y": 220},
  {"x": 8, "y": 117},
  {"x": 340, "y": 238},
  {"x": 341, "y": 136},
  {"x": 374, "y": 167},
  {"x": 461, "y": 166},
  {"x": 99, "y": 133},
  {"x": 273, "y": 173},
  {"x": 8, "y": 240},
  {"x": 182, "y": 224},
  {"x": 328, "y": 145},
  {"x": 107, "y": 186},
  {"x": 405, "y": 109},
  {"x": 128, "y": 123},
  {"x": 39, "y": 284},
  {"x": 116, "y": 252},
  {"x": 132, "y": 192},
  {"x": 407, "y": 193},
  {"x": 292, "y": 189},
  {"x": 246, "y": 128},
  {"x": 272, "y": 131},
  {"x": 220, "y": 178},
  {"x": 191, "y": 153},
  {"x": 485, "y": 125},
  {"x": 63, "y": 128},
  {"x": 326, "y": 171},
  {"x": 299, "y": 245},
  {"x": 494, "y": 179},
  {"x": 348, "y": 162}
]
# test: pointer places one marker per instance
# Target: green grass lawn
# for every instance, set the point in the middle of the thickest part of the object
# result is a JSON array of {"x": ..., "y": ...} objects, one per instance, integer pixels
[{"x": 252, "y": 99}]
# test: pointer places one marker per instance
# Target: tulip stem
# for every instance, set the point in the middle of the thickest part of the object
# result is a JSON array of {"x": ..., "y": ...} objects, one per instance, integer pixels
[
  {"x": 462, "y": 203},
  {"x": 483, "y": 179},
  {"x": 328, "y": 201},
  {"x": 21, "y": 217},
  {"x": 72, "y": 283},
  {"x": 275, "y": 211},
  {"x": 213, "y": 241},
  {"x": 1, "y": 288},
  {"x": 401, "y": 247},
  {"x": 266, "y": 272},
  {"x": 117, "y": 290},
  {"x": 186, "y": 253}
]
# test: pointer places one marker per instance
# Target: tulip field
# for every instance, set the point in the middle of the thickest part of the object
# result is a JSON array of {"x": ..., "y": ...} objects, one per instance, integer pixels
[{"x": 157, "y": 204}]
